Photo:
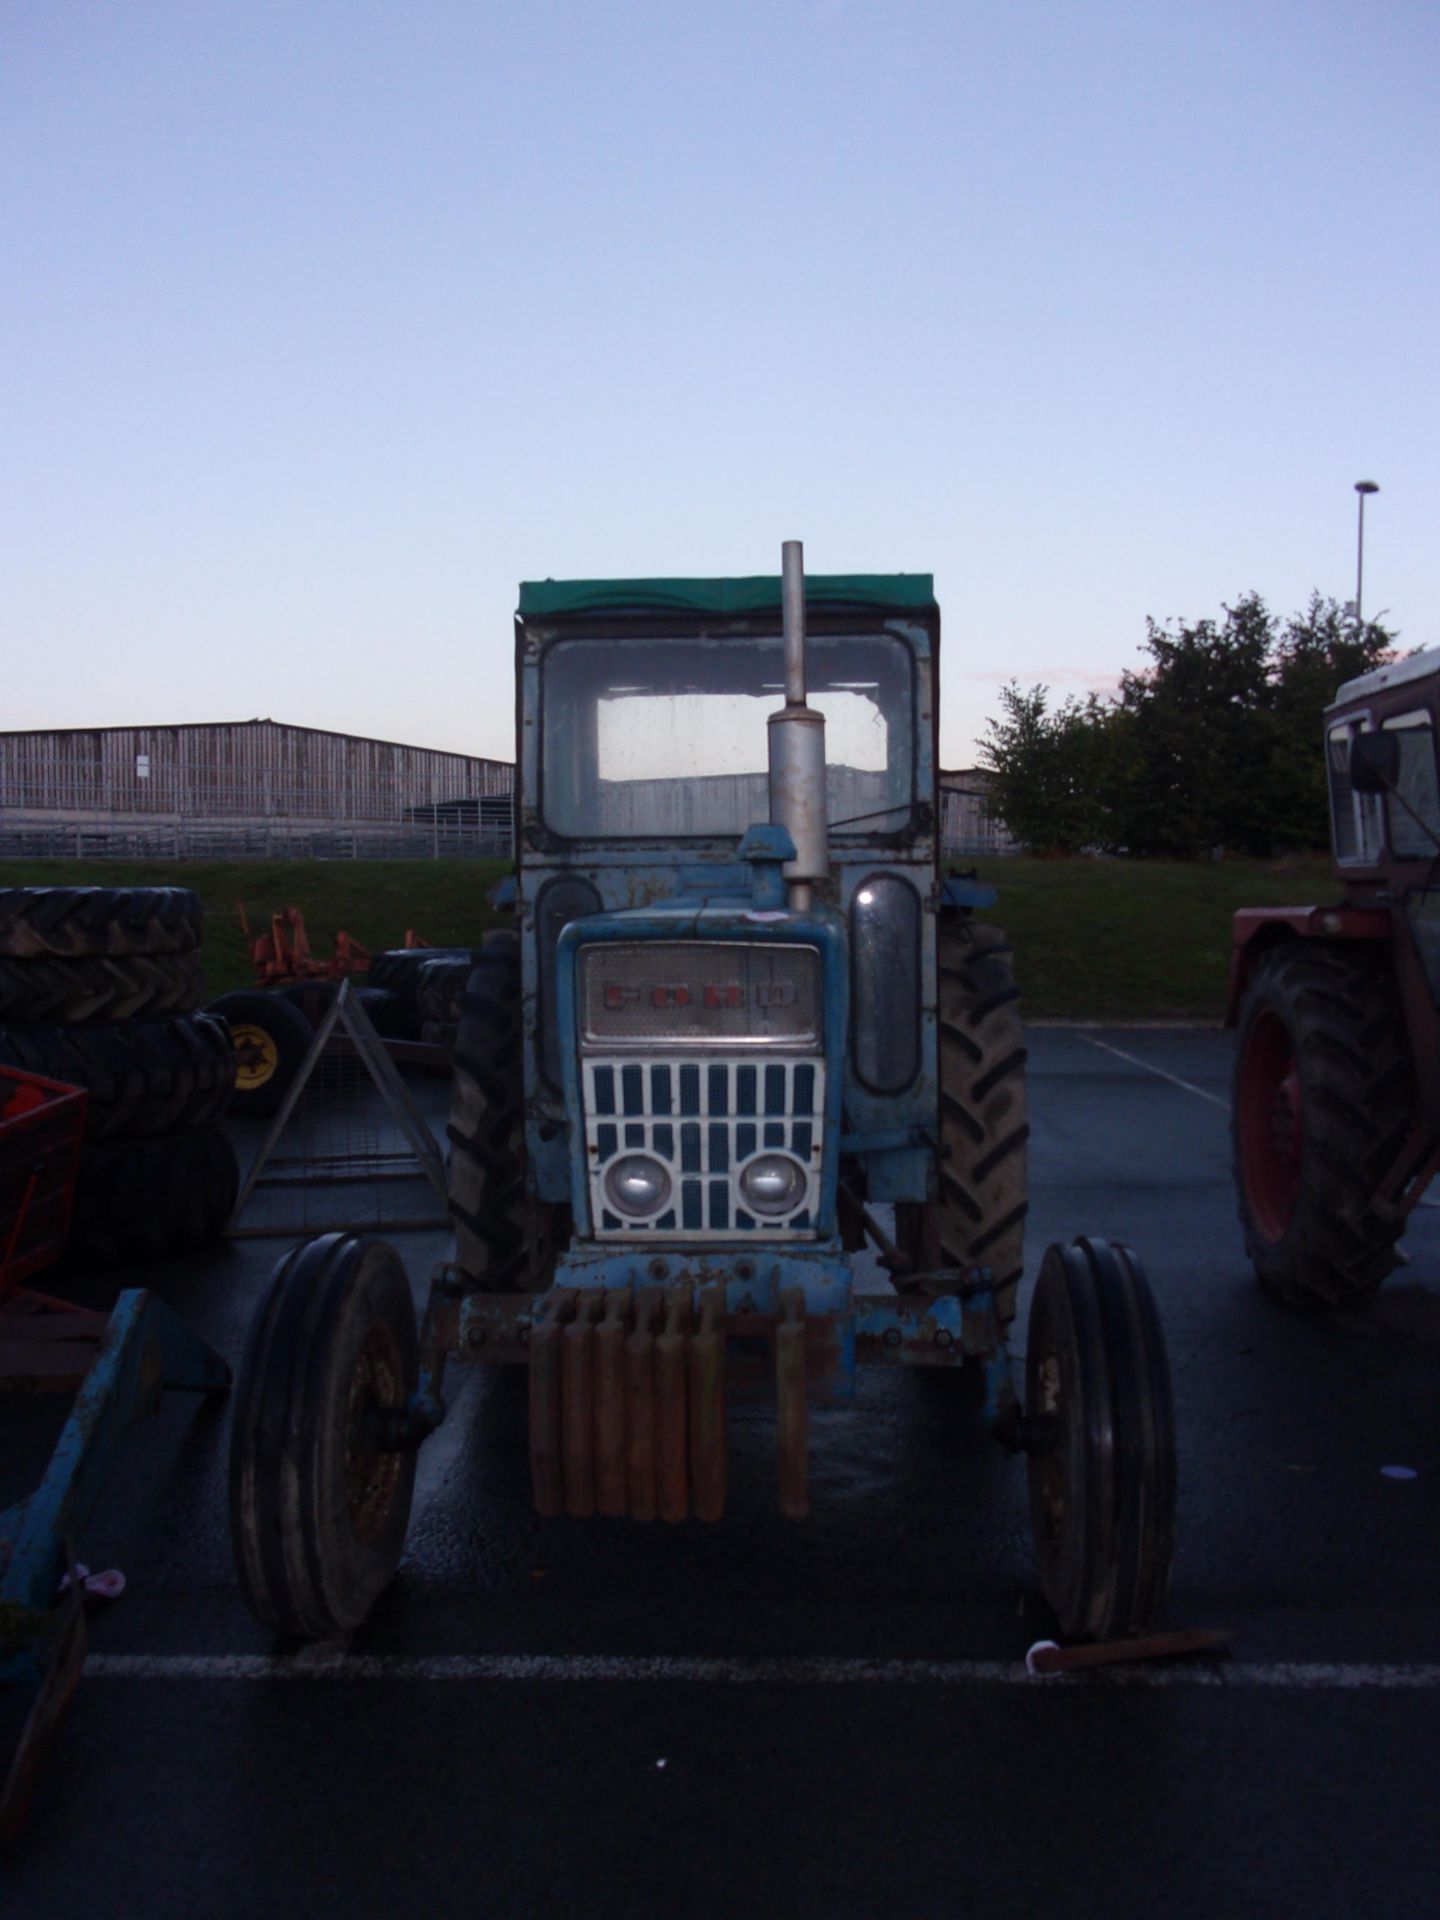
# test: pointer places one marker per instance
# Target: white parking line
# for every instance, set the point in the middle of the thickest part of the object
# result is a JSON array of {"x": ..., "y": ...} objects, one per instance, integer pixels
[
  {"x": 1159, "y": 1072},
  {"x": 639, "y": 1670}
]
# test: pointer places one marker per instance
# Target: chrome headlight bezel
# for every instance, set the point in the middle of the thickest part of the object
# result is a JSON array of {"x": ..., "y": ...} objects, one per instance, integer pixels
[
  {"x": 766, "y": 1172},
  {"x": 628, "y": 1166}
]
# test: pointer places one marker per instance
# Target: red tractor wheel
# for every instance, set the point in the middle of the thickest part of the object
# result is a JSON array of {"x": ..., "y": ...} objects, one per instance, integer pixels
[
  {"x": 1268, "y": 1124},
  {"x": 1320, "y": 1110}
]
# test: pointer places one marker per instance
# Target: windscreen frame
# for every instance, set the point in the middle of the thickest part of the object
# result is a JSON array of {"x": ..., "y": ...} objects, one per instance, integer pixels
[{"x": 894, "y": 826}]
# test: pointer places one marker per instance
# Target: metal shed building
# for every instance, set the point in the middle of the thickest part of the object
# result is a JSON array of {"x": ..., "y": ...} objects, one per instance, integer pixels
[
  {"x": 244, "y": 787},
  {"x": 967, "y": 822}
]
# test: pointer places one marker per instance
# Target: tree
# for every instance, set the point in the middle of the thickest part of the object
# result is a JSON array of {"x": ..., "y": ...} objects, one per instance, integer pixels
[
  {"x": 1046, "y": 767},
  {"x": 1319, "y": 650},
  {"x": 1198, "y": 736},
  {"x": 1215, "y": 743}
]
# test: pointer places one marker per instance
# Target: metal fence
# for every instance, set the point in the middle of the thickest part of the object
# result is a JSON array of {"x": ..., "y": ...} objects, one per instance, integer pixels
[
  {"x": 466, "y": 828},
  {"x": 42, "y": 838}
]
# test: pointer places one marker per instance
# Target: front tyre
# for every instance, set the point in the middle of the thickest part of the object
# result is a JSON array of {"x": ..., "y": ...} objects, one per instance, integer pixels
[
  {"x": 1101, "y": 1441},
  {"x": 319, "y": 1504},
  {"x": 1321, "y": 1108}
]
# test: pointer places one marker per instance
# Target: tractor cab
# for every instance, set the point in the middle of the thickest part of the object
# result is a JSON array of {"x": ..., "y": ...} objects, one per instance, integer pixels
[
  {"x": 710, "y": 1007},
  {"x": 1384, "y": 788}
]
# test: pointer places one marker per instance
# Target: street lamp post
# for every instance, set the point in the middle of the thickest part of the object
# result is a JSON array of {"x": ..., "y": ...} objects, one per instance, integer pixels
[{"x": 1362, "y": 487}]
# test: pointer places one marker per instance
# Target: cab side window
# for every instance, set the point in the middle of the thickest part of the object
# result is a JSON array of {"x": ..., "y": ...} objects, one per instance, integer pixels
[
  {"x": 1355, "y": 817},
  {"x": 1417, "y": 786}
]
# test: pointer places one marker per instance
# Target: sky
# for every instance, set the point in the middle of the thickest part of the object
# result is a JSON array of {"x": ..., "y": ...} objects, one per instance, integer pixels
[{"x": 323, "y": 324}]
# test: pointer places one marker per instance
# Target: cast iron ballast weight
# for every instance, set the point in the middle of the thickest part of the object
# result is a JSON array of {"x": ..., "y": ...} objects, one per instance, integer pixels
[{"x": 743, "y": 1028}]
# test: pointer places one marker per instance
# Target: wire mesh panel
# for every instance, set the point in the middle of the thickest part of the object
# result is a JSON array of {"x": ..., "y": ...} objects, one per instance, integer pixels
[{"x": 352, "y": 1148}]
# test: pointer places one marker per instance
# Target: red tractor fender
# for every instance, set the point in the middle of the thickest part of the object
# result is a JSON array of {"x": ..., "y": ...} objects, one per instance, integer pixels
[{"x": 1255, "y": 930}]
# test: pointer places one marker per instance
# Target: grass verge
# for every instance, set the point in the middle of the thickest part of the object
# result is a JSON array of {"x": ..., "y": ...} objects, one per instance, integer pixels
[
  {"x": 1094, "y": 939},
  {"x": 1137, "y": 939},
  {"x": 373, "y": 900}
]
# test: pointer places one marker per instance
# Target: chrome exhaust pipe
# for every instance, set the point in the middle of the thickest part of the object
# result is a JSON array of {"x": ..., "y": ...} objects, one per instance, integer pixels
[{"x": 797, "y": 746}]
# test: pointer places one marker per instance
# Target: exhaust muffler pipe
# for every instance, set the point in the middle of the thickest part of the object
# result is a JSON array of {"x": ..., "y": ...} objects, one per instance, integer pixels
[{"x": 797, "y": 746}]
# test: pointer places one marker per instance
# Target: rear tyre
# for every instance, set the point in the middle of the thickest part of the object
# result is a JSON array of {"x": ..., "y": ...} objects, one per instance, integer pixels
[
  {"x": 74, "y": 921},
  {"x": 1321, "y": 1108},
  {"x": 318, "y": 1504},
  {"x": 1101, "y": 1442},
  {"x": 487, "y": 1126},
  {"x": 139, "y": 1198},
  {"x": 271, "y": 1039},
  {"x": 978, "y": 1218},
  {"x": 503, "y": 1239}
]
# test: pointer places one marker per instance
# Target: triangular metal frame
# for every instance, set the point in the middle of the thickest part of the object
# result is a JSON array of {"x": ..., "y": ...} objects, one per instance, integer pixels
[{"x": 347, "y": 1013}]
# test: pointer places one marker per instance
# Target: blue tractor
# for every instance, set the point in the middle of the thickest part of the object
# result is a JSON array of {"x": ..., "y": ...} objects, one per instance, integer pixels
[{"x": 739, "y": 1106}]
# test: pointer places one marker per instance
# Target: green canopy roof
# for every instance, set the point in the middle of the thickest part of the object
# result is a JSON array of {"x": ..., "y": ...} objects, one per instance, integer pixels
[{"x": 760, "y": 593}]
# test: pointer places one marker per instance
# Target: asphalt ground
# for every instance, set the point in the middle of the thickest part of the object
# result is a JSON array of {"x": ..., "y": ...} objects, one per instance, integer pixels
[{"x": 828, "y": 1718}]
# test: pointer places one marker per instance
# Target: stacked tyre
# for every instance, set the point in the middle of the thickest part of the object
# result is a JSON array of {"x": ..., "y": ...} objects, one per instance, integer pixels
[
  {"x": 99, "y": 988},
  {"x": 430, "y": 982},
  {"x": 439, "y": 991}
]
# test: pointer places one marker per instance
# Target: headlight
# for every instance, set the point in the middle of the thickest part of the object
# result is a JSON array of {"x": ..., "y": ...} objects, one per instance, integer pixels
[
  {"x": 773, "y": 1184},
  {"x": 637, "y": 1185}
]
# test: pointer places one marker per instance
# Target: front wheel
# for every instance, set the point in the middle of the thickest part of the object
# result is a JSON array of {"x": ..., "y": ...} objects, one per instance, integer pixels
[
  {"x": 1101, "y": 1441},
  {"x": 319, "y": 1502},
  {"x": 1320, "y": 1111}
]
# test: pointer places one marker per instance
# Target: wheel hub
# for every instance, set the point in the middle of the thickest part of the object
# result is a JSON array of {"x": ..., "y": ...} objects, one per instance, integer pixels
[{"x": 256, "y": 1056}]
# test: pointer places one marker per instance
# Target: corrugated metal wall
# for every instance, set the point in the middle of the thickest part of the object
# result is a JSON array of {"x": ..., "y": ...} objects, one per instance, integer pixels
[
  {"x": 249, "y": 769},
  {"x": 967, "y": 824}
]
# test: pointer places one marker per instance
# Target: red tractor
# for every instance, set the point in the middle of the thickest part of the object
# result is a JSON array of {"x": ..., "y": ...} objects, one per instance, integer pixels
[{"x": 1336, "y": 1106}]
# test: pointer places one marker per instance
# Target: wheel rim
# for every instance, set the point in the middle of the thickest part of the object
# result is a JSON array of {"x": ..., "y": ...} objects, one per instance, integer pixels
[
  {"x": 1069, "y": 1466},
  {"x": 372, "y": 1473},
  {"x": 1048, "y": 1469},
  {"x": 256, "y": 1057},
  {"x": 1268, "y": 1114}
]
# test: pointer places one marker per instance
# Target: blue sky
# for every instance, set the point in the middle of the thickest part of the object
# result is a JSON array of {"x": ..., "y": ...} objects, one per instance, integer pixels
[{"x": 323, "y": 324}]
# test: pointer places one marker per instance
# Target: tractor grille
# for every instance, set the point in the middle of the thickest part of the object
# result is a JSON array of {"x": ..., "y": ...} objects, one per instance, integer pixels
[{"x": 703, "y": 1119}]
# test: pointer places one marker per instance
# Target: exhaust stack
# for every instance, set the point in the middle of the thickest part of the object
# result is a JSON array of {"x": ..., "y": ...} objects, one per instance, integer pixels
[{"x": 797, "y": 746}]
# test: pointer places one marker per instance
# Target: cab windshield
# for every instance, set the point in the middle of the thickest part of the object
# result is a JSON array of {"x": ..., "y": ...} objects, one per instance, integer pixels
[{"x": 668, "y": 736}]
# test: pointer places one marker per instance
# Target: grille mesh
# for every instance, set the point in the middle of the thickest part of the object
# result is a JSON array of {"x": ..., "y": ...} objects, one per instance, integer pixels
[{"x": 703, "y": 1119}]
